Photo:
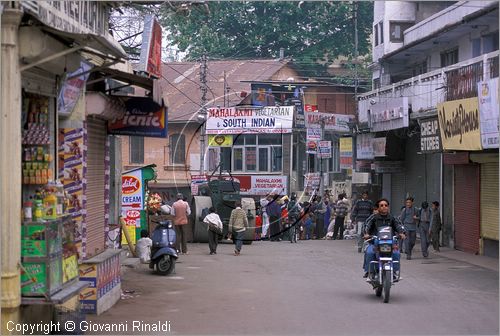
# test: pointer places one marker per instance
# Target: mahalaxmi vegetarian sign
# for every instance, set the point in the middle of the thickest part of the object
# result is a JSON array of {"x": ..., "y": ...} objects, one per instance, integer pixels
[{"x": 232, "y": 120}]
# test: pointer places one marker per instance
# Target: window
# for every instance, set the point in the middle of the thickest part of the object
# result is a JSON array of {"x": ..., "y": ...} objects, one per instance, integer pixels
[
  {"x": 381, "y": 31},
  {"x": 396, "y": 30},
  {"x": 177, "y": 149},
  {"x": 257, "y": 153},
  {"x": 375, "y": 34},
  {"x": 490, "y": 42},
  {"x": 136, "y": 149},
  {"x": 449, "y": 57}
]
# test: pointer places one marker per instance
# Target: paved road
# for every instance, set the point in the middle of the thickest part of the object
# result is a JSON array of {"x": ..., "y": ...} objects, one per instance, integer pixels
[{"x": 311, "y": 288}]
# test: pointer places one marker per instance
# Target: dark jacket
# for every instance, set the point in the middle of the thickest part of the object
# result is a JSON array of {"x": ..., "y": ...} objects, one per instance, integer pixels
[
  {"x": 361, "y": 210},
  {"x": 374, "y": 222},
  {"x": 274, "y": 209}
]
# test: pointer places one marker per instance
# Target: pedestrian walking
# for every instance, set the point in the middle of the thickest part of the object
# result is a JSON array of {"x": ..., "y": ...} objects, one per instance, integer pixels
[
  {"x": 308, "y": 225},
  {"x": 424, "y": 219},
  {"x": 274, "y": 212},
  {"x": 340, "y": 214},
  {"x": 326, "y": 216},
  {"x": 180, "y": 211},
  {"x": 238, "y": 222},
  {"x": 361, "y": 210},
  {"x": 258, "y": 224},
  {"x": 294, "y": 209},
  {"x": 409, "y": 218},
  {"x": 213, "y": 219},
  {"x": 435, "y": 226},
  {"x": 319, "y": 214}
]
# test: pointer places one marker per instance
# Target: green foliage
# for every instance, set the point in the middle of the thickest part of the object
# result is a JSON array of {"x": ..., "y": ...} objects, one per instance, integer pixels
[{"x": 311, "y": 32}]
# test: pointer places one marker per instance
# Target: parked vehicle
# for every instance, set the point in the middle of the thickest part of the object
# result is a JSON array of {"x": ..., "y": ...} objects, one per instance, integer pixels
[
  {"x": 163, "y": 252},
  {"x": 383, "y": 276}
]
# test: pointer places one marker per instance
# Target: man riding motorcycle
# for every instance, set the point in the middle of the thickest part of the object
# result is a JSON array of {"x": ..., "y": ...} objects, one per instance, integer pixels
[{"x": 382, "y": 219}]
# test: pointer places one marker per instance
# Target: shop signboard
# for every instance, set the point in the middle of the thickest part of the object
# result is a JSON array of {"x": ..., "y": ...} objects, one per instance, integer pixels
[
  {"x": 220, "y": 140},
  {"x": 488, "y": 109},
  {"x": 391, "y": 113},
  {"x": 312, "y": 147},
  {"x": 72, "y": 89},
  {"x": 311, "y": 182},
  {"x": 233, "y": 120},
  {"x": 388, "y": 167},
  {"x": 459, "y": 124},
  {"x": 148, "y": 124},
  {"x": 430, "y": 141},
  {"x": 364, "y": 146},
  {"x": 346, "y": 153},
  {"x": 262, "y": 185},
  {"x": 378, "y": 145},
  {"x": 300, "y": 121},
  {"x": 150, "y": 58},
  {"x": 132, "y": 191},
  {"x": 329, "y": 121},
  {"x": 310, "y": 108},
  {"x": 313, "y": 134},
  {"x": 196, "y": 181},
  {"x": 324, "y": 149}
]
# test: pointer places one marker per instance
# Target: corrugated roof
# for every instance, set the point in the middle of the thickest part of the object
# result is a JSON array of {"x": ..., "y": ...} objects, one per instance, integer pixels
[{"x": 181, "y": 82}]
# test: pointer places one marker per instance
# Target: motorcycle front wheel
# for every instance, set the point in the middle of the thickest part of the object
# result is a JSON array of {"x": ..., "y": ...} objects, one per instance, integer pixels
[
  {"x": 387, "y": 285},
  {"x": 165, "y": 265}
]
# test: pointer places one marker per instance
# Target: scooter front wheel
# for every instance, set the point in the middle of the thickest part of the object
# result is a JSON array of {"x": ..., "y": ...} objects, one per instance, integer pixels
[{"x": 165, "y": 265}]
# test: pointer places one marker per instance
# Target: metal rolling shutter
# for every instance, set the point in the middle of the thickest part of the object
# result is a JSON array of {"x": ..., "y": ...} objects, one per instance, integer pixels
[
  {"x": 489, "y": 200},
  {"x": 96, "y": 181},
  {"x": 398, "y": 193},
  {"x": 466, "y": 208}
]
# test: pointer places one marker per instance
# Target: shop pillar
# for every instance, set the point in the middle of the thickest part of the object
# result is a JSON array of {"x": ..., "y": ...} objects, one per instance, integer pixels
[{"x": 10, "y": 167}]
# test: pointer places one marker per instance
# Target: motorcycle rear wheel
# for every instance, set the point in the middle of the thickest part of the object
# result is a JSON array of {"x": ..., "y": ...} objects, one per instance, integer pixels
[
  {"x": 387, "y": 285},
  {"x": 165, "y": 265}
]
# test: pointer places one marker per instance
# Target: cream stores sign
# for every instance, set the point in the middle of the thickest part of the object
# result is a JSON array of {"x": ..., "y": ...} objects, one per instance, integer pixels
[
  {"x": 459, "y": 124},
  {"x": 231, "y": 120}
]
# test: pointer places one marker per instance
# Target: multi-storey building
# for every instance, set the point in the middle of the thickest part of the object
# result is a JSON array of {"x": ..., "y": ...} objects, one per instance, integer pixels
[{"x": 430, "y": 125}]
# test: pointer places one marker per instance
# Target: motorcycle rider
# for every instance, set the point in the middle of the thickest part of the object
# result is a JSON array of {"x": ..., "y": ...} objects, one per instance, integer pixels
[{"x": 372, "y": 225}]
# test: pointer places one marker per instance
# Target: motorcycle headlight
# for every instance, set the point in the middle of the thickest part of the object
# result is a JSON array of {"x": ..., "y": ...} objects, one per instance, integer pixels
[{"x": 385, "y": 248}]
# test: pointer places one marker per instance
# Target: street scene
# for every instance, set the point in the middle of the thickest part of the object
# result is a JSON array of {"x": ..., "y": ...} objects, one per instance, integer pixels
[{"x": 249, "y": 167}]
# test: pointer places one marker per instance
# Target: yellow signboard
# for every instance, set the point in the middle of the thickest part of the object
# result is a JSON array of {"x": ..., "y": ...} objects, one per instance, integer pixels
[
  {"x": 220, "y": 140},
  {"x": 459, "y": 124},
  {"x": 346, "y": 145}
]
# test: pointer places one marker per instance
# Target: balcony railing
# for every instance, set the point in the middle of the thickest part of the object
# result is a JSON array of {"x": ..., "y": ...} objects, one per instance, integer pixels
[{"x": 425, "y": 91}]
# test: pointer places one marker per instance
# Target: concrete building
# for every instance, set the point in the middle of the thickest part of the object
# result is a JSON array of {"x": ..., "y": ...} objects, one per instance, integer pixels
[{"x": 427, "y": 58}]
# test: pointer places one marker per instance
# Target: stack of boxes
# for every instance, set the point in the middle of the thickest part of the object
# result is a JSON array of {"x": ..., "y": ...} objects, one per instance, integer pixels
[{"x": 103, "y": 276}]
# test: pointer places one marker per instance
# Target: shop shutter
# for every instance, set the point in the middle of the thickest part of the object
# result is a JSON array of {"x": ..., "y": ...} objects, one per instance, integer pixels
[
  {"x": 466, "y": 208},
  {"x": 398, "y": 192},
  {"x": 489, "y": 200},
  {"x": 95, "y": 190}
]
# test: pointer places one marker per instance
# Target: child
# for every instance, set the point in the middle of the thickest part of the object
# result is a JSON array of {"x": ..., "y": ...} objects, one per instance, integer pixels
[
  {"x": 143, "y": 247},
  {"x": 308, "y": 224}
]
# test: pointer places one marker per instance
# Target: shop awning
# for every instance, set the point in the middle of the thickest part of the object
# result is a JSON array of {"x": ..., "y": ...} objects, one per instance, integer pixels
[
  {"x": 122, "y": 76},
  {"x": 103, "y": 106}
]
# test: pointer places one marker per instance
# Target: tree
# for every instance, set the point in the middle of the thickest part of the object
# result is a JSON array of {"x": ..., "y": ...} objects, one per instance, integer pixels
[{"x": 311, "y": 32}]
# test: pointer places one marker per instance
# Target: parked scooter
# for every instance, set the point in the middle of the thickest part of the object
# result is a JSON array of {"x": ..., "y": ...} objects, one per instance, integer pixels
[
  {"x": 163, "y": 252},
  {"x": 383, "y": 276}
]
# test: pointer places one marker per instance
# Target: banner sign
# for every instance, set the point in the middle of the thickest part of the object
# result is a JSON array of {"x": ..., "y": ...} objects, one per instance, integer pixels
[
  {"x": 220, "y": 140},
  {"x": 231, "y": 120},
  {"x": 346, "y": 153},
  {"x": 262, "y": 95},
  {"x": 150, "y": 58},
  {"x": 488, "y": 109},
  {"x": 332, "y": 122},
  {"x": 324, "y": 149},
  {"x": 378, "y": 145},
  {"x": 262, "y": 185},
  {"x": 459, "y": 124},
  {"x": 300, "y": 121},
  {"x": 313, "y": 134},
  {"x": 72, "y": 89},
  {"x": 430, "y": 141},
  {"x": 389, "y": 114},
  {"x": 196, "y": 181},
  {"x": 364, "y": 147},
  {"x": 152, "y": 124}
]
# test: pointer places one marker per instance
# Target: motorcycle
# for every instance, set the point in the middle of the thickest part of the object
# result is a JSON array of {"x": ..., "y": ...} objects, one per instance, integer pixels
[
  {"x": 163, "y": 252},
  {"x": 383, "y": 276}
]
